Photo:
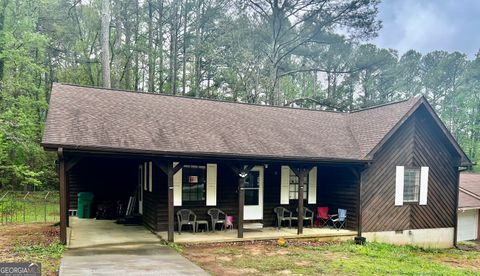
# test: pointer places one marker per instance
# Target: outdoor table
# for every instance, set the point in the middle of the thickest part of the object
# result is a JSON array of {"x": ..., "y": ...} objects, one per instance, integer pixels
[{"x": 201, "y": 222}]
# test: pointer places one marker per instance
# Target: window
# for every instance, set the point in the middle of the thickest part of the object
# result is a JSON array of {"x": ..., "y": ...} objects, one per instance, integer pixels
[
  {"x": 193, "y": 183},
  {"x": 293, "y": 187},
  {"x": 252, "y": 187},
  {"x": 411, "y": 186}
]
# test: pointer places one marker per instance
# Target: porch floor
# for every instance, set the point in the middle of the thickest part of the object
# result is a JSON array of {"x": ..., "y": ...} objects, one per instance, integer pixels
[{"x": 267, "y": 233}]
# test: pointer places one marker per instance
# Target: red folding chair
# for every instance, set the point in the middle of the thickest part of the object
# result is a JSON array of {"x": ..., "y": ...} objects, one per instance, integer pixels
[{"x": 322, "y": 215}]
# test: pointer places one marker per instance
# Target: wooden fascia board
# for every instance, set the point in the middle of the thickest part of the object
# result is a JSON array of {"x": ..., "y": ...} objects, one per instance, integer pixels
[
  {"x": 243, "y": 158},
  {"x": 465, "y": 161}
]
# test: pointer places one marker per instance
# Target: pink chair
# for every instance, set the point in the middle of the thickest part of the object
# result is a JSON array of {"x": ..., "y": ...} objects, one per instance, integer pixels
[
  {"x": 322, "y": 215},
  {"x": 229, "y": 223}
]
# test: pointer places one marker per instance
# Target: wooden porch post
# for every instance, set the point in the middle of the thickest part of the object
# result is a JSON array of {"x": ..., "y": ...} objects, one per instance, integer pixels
[
  {"x": 68, "y": 165},
  {"x": 241, "y": 202},
  {"x": 170, "y": 171},
  {"x": 358, "y": 176},
  {"x": 359, "y": 205},
  {"x": 242, "y": 173},
  {"x": 301, "y": 172},
  {"x": 171, "y": 219},
  {"x": 301, "y": 180},
  {"x": 63, "y": 197}
]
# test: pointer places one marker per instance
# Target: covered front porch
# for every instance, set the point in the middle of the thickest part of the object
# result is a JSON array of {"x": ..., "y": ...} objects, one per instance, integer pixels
[
  {"x": 247, "y": 190},
  {"x": 267, "y": 233}
]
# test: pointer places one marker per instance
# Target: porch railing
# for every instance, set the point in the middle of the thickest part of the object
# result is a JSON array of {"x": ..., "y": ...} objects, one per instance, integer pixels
[{"x": 29, "y": 207}]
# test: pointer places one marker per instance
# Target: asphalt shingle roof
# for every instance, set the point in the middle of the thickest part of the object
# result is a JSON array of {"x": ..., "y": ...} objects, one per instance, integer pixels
[
  {"x": 469, "y": 184},
  {"x": 94, "y": 118}
]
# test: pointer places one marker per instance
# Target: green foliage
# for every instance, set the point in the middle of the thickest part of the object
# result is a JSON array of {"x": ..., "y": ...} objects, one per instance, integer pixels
[
  {"x": 53, "y": 250},
  {"x": 246, "y": 51}
]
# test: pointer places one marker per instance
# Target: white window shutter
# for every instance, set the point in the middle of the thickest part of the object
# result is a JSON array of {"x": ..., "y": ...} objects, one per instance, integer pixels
[
  {"x": 211, "y": 184},
  {"x": 285, "y": 185},
  {"x": 423, "y": 185},
  {"x": 177, "y": 187},
  {"x": 312, "y": 186},
  {"x": 399, "y": 182},
  {"x": 145, "y": 176},
  {"x": 150, "y": 176}
]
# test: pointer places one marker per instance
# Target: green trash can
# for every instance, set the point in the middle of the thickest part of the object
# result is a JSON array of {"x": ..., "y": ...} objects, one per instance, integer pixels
[{"x": 85, "y": 200}]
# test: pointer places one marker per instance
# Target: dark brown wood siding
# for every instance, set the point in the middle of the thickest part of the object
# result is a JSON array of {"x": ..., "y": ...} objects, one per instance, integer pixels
[
  {"x": 109, "y": 179},
  {"x": 419, "y": 142},
  {"x": 112, "y": 179},
  {"x": 336, "y": 189}
]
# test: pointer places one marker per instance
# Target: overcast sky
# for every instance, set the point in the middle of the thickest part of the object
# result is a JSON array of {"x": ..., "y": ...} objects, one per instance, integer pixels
[{"x": 428, "y": 25}]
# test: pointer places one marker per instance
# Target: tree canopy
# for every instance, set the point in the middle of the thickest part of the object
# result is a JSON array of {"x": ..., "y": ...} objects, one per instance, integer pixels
[{"x": 301, "y": 53}]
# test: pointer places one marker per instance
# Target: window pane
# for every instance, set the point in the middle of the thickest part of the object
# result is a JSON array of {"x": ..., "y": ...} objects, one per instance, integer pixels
[
  {"x": 193, "y": 182},
  {"x": 251, "y": 197},
  {"x": 293, "y": 187},
  {"x": 411, "y": 185},
  {"x": 251, "y": 181},
  {"x": 252, "y": 186}
]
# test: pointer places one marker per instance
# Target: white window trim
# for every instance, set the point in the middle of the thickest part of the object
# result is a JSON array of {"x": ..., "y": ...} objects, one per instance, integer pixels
[{"x": 400, "y": 184}]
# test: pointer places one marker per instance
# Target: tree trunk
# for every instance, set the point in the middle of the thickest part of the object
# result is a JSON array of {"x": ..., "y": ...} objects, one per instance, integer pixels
[
  {"x": 184, "y": 48},
  {"x": 105, "y": 39},
  {"x": 128, "y": 41},
  {"x": 2, "y": 41},
  {"x": 173, "y": 49},
  {"x": 151, "y": 52},
  {"x": 136, "y": 61},
  {"x": 197, "y": 58}
]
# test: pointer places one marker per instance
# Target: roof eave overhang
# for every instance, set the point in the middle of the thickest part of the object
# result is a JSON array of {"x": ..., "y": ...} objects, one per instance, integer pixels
[
  {"x": 464, "y": 162},
  {"x": 199, "y": 155}
]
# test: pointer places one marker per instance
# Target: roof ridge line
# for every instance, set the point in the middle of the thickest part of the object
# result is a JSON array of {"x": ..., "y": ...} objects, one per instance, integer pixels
[
  {"x": 384, "y": 104},
  {"x": 200, "y": 99}
]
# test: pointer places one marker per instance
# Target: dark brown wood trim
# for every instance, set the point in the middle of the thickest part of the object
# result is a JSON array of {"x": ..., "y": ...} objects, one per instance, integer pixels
[
  {"x": 301, "y": 183},
  {"x": 63, "y": 197},
  {"x": 174, "y": 156},
  {"x": 241, "y": 171},
  {"x": 394, "y": 129},
  {"x": 171, "y": 219},
  {"x": 465, "y": 161},
  {"x": 171, "y": 171},
  {"x": 241, "y": 203},
  {"x": 301, "y": 172}
]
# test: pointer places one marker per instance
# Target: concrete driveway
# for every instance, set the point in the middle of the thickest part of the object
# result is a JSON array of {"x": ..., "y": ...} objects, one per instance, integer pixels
[{"x": 102, "y": 247}]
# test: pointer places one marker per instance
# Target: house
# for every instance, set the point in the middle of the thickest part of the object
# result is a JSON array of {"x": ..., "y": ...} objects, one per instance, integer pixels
[
  {"x": 469, "y": 207},
  {"x": 394, "y": 167}
]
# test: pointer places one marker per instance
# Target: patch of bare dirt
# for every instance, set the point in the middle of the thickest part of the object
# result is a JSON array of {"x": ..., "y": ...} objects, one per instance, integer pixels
[
  {"x": 12, "y": 235},
  {"x": 207, "y": 255}
]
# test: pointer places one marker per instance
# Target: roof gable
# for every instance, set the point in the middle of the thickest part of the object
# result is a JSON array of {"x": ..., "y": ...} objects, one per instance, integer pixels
[{"x": 391, "y": 126}]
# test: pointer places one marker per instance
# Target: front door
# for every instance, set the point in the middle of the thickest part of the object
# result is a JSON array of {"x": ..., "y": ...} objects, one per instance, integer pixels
[{"x": 253, "y": 205}]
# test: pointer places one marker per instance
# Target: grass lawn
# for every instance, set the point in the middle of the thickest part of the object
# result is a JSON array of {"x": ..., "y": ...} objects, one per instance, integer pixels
[
  {"x": 314, "y": 258},
  {"x": 19, "y": 207},
  {"x": 31, "y": 243}
]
